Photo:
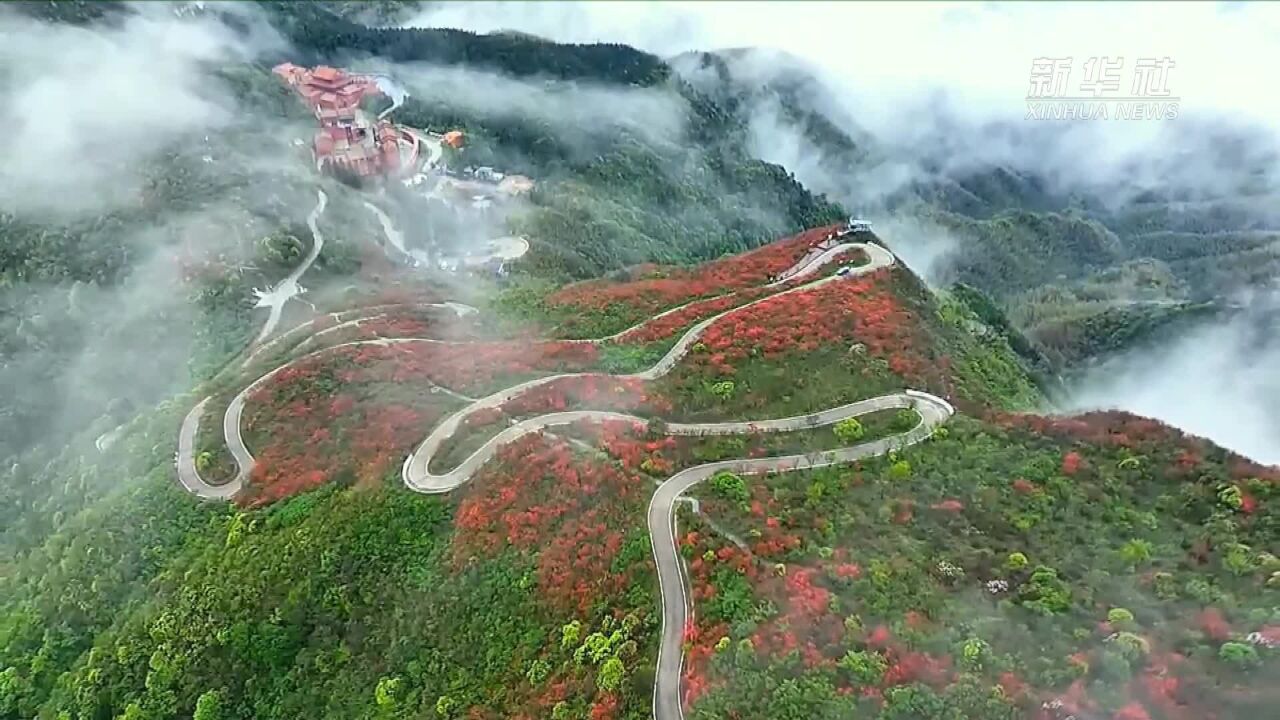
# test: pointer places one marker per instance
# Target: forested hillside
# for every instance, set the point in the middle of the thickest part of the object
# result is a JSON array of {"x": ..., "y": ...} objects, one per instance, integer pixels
[
  {"x": 616, "y": 196},
  {"x": 1012, "y": 232},
  {"x": 81, "y": 292},
  {"x": 450, "y": 507},
  {"x": 624, "y": 202}
]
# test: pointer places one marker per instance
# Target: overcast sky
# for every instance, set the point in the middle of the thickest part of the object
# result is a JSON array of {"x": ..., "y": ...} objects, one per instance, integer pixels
[
  {"x": 886, "y": 62},
  {"x": 1222, "y": 51}
]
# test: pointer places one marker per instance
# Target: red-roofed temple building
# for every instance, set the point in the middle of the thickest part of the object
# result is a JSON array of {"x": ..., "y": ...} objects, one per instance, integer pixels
[{"x": 348, "y": 139}]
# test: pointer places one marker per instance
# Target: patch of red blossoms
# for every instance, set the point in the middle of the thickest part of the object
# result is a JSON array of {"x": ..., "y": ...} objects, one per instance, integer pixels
[
  {"x": 650, "y": 295},
  {"x": 538, "y": 496}
]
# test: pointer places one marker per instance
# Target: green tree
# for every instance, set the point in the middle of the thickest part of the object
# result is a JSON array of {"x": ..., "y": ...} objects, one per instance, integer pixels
[
  {"x": 1132, "y": 646},
  {"x": 730, "y": 486},
  {"x": 1119, "y": 617},
  {"x": 849, "y": 430},
  {"x": 11, "y": 691},
  {"x": 570, "y": 634},
  {"x": 974, "y": 652},
  {"x": 611, "y": 674},
  {"x": 1135, "y": 552},
  {"x": 1045, "y": 593},
  {"x": 539, "y": 670},
  {"x": 900, "y": 470},
  {"x": 723, "y": 389},
  {"x": 208, "y": 706},
  {"x": 905, "y": 419},
  {"x": 387, "y": 693},
  {"x": 446, "y": 707},
  {"x": 1238, "y": 654},
  {"x": 1231, "y": 496},
  {"x": 734, "y": 601},
  {"x": 1238, "y": 558},
  {"x": 866, "y": 666}
]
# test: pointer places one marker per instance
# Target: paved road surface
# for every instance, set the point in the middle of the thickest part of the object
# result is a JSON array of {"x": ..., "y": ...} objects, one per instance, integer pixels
[
  {"x": 348, "y": 318},
  {"x": 288, "y": 287},
  {"x": 676, "y": 609},
  {"x": 189, "y": 475},
  {"x": 396, "y": 238},
  {"x": 667, "y": 698},
  {"x": 509, "y": 247},
  {"x": 416, "y": 472}
]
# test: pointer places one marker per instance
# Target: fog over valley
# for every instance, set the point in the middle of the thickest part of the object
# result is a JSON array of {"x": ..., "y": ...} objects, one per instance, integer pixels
[{"x": 936, "y": 117}]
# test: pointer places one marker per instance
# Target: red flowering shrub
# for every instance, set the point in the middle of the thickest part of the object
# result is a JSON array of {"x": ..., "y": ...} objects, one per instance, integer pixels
[
  {"x": 650, "y": 295},
  {"x": 806, "y": 598},
  {"x": 1023, "y": 486},
  {"x": 1213, "y": 624},
  {"x": 462, "y": 367},
  {"x": 595, "y": 392},
  {"x": 880, "y": 637},
  {"x": 1248, "y": 504},
  {"x": 1012, "y": 685},
  {"x": 862, "y": 310},
  {"x": 1071, "y": 463},
  {"x": 537, "y": 497},
  {"x": 919, "y": 667},
  {"x": 848, "y": 571},
  {"x": 314, "y": 440},
  {"x": 605, "y": 708},
  {"x": 669, "y": 323},
  {"x": 1132, "y": 711}
]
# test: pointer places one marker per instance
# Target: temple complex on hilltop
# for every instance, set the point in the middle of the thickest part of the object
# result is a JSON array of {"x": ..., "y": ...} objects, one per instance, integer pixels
[{"x": 348, "y": 139}]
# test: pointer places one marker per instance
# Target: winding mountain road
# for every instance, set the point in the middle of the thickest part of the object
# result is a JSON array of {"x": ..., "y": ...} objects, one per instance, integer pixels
[
  {"x": 661, "y": 519},
  {"x": 509, "y": 247},
  {"x": 672, "y": 587},
  {"x": 186, "y": 461},
  {"x": 288, "y": 287},
  {"x": 416, "y": 472},
  {"x": 356, "y": 316}
]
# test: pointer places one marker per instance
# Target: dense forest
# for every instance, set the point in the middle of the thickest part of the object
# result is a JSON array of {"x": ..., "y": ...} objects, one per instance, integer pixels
[{"x": 314, "y": 29}]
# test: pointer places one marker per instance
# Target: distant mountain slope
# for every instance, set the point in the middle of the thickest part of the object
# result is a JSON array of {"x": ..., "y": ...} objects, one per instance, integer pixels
[
  {"x": 1015, "y": 229},
  {"x": 314, "y": 29},
  {"x": 617, "y": 193}
]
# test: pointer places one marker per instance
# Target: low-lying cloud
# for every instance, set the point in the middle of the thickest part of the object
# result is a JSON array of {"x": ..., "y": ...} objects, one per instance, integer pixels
[
  {"x": 932, "y": 91},
  {"x": 129, "y": 146},
  {"x": 564, "y": 107},
  {"x": 1218, "y": 381},
  {"x": 929, "y": 81},
  {"x": 84, "y": 107}
]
